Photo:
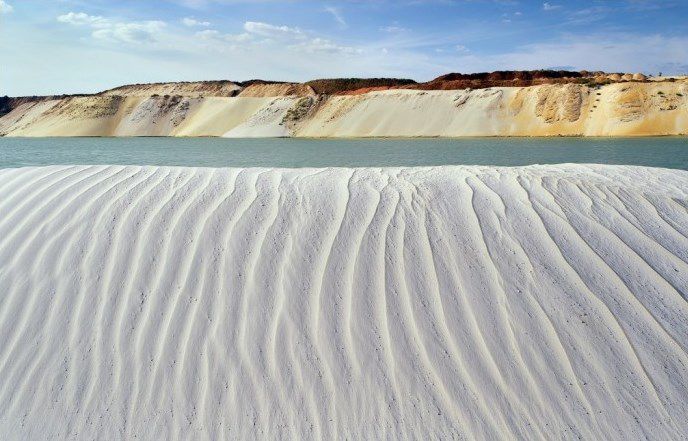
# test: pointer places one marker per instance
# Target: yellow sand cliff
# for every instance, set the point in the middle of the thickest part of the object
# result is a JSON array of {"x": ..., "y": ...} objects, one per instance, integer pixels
[{"x": 260, "y": 110}]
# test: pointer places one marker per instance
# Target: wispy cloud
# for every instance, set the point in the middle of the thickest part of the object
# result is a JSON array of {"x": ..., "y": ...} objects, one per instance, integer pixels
[
  {"x": 131, "y": 32},
  {"x": 210, "y": 40},
  {"x": 302, "y": 41},
  {"x": 322, "y": 45},
  {"x": 273, "y": 31},
  {"x": 260, "y": 37},
  {"x": 192, "y": 22},
  {"x": 337, "y": 15},
  {"x": 211, "y": 34},
  {"x": 550, "y": 7}
]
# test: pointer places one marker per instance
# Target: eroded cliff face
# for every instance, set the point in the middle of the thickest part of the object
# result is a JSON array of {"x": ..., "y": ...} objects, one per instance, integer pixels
[
  {"x": 632, "y": 108},
  {"x": 563, "y": 103},
  {"x": 188, "y": 89}
]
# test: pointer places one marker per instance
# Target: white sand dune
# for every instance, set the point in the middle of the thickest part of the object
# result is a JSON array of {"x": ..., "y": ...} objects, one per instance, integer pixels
[{"x": 545, "y": 302}]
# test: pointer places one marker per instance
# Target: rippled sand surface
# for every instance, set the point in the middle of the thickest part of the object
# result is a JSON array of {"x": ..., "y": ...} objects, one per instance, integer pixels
[{"x": 544, "y": 302}]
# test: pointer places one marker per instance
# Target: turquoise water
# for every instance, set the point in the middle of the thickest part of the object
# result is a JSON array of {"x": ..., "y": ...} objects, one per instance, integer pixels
[{"x": 670, "y": 152}]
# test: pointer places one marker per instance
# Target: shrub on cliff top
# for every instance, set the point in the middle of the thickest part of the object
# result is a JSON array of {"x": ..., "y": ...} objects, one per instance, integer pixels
[{"x": 339, "y": 85}]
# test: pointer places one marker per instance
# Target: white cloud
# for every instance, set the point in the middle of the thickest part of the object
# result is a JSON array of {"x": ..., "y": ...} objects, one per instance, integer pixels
[
  {"x": 83, "y": 19},
  {"x": 339, "y": 18},
  {"x": 272, "y": 31},
  {"x": 110, "y": 30},
  {"x": 192, "y": 22},
  {"x": 549, "y": 7},
  {"x": 212, "y": 40},
  {"x": 208, "y": 34},
  {"x": 321, "y": 45},
  {"x": 5, "y": 8},
  {"x": 462, "y": 48},
  {"x": 131, "y": 32},
  {"x": 269, "y": 38},
  {"x": 211, "y": 34}
]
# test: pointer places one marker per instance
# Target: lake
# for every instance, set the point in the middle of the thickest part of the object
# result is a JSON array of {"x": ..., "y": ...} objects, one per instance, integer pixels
[{"x": 669, "y": 152}]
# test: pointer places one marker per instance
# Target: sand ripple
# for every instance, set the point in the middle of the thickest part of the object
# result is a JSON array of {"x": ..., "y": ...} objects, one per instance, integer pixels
[{"x": 454, "y": 302}]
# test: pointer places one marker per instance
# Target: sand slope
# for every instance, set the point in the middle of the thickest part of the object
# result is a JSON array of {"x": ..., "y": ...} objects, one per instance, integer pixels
[
  {"x": 454, "y": 302},
  {"x": 269, "y": 110}
]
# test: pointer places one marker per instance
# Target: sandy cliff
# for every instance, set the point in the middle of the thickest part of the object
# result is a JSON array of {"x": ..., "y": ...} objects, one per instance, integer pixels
[
  {"x": 187, "y": 89},
  {"x": 255, "y": 109},
  {"x": 622, "y": 109}
]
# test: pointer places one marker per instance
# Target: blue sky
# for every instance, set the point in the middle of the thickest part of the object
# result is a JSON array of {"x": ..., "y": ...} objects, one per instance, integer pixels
[{"x": 70, "y": 46}]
